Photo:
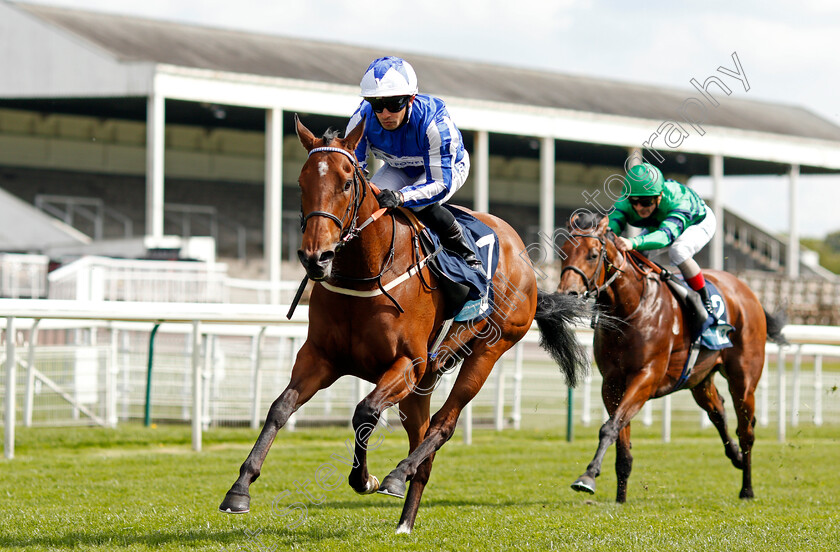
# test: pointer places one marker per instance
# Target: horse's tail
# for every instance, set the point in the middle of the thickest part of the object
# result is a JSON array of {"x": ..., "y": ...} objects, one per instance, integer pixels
[
  {"x": 775, "y": 323},
  {"x": 556, "y": 315}
]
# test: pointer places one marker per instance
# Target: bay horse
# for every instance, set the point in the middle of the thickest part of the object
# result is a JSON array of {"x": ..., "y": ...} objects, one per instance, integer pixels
[
  {"x": 374, "y": 313},
  {"x": 643, "y": 347}
]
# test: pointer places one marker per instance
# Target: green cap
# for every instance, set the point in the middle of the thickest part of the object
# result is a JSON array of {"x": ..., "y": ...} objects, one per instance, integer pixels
[{"x": 644, "y": 180}]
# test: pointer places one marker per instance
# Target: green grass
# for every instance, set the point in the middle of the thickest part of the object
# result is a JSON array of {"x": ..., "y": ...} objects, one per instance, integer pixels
[{"x": 138, "y": 488}]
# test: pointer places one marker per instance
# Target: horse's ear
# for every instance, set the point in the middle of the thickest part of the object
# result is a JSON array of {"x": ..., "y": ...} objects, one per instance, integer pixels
[
  {"x": 603, "y": 225},
  {"x": 304, "y": 134},
  {"x": 570, "y": 224},
  {"x": 352, "y": 139}
]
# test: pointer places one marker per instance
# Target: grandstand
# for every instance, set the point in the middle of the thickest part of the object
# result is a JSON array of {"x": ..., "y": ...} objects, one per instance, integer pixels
[{"x": 126, "y": 137}]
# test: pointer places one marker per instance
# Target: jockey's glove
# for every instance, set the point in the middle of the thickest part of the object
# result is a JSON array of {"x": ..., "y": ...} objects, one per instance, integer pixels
[{"x": 389, "y": 199}]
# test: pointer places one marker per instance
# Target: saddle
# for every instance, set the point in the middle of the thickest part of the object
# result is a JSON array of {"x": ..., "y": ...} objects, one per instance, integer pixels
[
  {"x": 710, "y": 332},
  {"x": 467, "y": 292}
]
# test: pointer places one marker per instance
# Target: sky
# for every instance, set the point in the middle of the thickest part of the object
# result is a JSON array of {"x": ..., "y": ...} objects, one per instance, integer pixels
[{"x": 788, "y": 51}]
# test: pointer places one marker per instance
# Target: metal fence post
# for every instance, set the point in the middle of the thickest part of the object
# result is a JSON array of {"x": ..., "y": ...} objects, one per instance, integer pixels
[
  {"x": 29, "y": 396},
  {"x": 256, "y": 357},
  {"x": 780, "y": 386},
  {"x": 147, "y": 412},
  {"x": 196, "y": 384},
  {"x": 818, "y": 387},
  {"x": 9, "y": 420}
]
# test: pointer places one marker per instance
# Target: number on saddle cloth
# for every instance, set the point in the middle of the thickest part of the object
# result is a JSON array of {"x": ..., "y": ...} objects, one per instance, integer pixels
[
  {"x": 475, "y": 303},
  {"x": 715, "y": 336}
]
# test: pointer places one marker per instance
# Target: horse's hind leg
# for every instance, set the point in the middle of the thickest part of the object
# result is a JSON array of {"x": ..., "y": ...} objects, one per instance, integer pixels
[
  {"x": 707, "y": 397},
  {"x": 470, "y": 379},
  {"x": 391, "y": 388},
  {"x": 623, "y": 464},
  {"x": 309, "y": 375},
  {"x": 742, "y": 383}
]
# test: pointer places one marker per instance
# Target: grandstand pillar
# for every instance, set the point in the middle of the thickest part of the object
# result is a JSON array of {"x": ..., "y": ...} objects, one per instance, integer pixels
[
  {"x": 716, "y": 253},
  {"x": 155, "y": 127},
  {"x": 273, "y": 198},
  {"x": 547, "y": 195},
  {"x": 481, "y": 193},
  {"x": 792, "y": 260}
]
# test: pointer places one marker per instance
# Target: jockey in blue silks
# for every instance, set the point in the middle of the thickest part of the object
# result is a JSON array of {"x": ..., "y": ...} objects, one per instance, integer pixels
[{"x": 425, "y": 162}]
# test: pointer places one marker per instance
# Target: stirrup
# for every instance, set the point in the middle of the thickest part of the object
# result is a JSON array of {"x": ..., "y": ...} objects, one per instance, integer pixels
[
  {"x": 471, "y": 259},
  {"x": 710, "y": 310}
]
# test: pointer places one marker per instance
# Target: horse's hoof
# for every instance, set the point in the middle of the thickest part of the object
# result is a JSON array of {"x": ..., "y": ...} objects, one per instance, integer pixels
[
  {"x": 235, "y": 503},
  {"x": 404, "y": 529},
  {"x": 584, "y": 484},
  {"x": 746, "y": 494},
  {"x": 371, "y": 486},
  {"x": 392, "y": 486}
]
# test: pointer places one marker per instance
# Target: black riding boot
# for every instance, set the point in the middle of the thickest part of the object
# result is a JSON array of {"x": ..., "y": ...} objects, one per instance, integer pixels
[
  {"x": 454, "y": 240},
  {"x": 707, "y": 302}
]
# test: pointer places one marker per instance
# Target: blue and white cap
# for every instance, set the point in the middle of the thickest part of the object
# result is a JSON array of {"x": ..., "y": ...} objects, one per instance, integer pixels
[{"x": 389, "y": 76}]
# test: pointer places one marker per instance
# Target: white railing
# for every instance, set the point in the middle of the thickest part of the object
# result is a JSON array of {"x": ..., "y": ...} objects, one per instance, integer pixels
[
  {"x": 94, "y": 278},
  {"x": 225, "y": 363},
  {"x": 23, "y": 276}
]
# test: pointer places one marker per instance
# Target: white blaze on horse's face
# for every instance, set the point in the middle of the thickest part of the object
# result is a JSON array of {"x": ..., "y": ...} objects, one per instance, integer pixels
[{"x": 323, "y": 168}]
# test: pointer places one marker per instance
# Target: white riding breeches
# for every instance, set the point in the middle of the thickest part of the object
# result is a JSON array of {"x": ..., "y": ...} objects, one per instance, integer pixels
[{"x": 693, "y": 239}]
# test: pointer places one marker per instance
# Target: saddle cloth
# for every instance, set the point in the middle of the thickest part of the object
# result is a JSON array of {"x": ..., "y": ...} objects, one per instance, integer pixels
[
  {"x": 473, "y": 302},
  {"x": 715, "y": 334}
]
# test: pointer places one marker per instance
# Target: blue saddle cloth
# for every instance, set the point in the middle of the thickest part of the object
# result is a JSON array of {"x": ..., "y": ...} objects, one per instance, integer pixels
[
  {"x": 485, "y": 244},
  {"x": 715, "y": 334}
]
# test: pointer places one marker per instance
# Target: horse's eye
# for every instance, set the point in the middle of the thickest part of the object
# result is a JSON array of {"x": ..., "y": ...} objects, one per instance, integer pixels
[
  {"x": 347, "y": 185},
  {"x": 593, "y": 254}
]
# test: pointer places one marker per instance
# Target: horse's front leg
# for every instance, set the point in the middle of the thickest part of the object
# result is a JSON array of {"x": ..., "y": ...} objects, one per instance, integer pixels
[
  {"x": 470, "y": 379},
  {"x": 391, "y": 388},
  {"x": 310, "y": 374},
  {"x": 621, "y": 406}
]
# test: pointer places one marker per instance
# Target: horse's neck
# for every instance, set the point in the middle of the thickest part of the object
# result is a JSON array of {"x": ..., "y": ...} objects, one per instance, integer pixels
[
  {"x": 367, "y": 254},
  {"x": 625, "y": 294}
]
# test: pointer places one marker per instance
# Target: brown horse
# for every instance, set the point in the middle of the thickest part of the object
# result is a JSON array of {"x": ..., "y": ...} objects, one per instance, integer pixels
[
  {"x": 642, "y": 349},
  {"x": 374, "y": 313}
]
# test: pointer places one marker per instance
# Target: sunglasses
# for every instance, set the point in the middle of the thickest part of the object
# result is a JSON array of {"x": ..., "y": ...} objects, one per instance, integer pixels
[
  {"x": 642, "y": 201},
  {"x": 393, "y": 104}
]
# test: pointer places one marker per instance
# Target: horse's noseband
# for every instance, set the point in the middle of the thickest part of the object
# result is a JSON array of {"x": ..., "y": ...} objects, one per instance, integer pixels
[{"x": 352, "y": 211}]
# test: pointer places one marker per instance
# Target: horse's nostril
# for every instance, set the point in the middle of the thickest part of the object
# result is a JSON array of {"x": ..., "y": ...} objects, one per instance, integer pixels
[
  {"x": 573, "y": 293},
  {"x": 326, "y": 257}
]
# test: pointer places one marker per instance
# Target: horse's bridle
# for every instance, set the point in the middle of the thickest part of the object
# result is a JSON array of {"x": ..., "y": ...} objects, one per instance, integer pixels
[
  {"x": 592, "y": 287},
  {"x": 352, "y": 211}
]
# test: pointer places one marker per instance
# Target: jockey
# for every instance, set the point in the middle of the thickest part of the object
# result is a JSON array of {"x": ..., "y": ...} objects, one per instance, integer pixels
[
  {"x": 424, "y": 155},
  {"x": 671, "y": 215}
]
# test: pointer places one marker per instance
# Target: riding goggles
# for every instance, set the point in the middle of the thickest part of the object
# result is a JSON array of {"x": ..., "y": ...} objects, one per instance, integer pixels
[
  {"x": 393, "y": 104},
  {"x": 645, "y": 201}
]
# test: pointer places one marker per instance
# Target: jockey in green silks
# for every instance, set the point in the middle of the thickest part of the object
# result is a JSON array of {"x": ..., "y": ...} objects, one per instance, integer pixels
[{"x": 671, "y": 215}]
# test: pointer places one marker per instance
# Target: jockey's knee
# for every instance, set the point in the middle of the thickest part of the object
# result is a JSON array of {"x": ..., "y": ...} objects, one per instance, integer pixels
[{"x": 682, "y": 257}]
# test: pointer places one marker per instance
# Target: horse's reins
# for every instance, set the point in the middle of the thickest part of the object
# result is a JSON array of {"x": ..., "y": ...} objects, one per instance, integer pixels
[{"x": 348, "y": 234}]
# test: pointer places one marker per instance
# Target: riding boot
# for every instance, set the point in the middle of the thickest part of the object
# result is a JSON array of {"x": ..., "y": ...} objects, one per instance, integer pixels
[
  {"x": 454, "y": 240},
  {"x": 707, "y": 301}
]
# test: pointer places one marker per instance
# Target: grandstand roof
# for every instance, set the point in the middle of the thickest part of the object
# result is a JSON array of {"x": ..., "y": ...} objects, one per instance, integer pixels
[{"x": 133, "y": 39}]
